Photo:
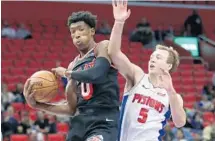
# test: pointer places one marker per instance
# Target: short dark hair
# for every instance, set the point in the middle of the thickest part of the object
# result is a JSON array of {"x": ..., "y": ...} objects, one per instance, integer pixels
[{"x": 84, "y": 16}]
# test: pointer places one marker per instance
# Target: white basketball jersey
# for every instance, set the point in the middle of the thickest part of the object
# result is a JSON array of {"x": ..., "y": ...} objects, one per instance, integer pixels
[{"x": 144, "y": 112}]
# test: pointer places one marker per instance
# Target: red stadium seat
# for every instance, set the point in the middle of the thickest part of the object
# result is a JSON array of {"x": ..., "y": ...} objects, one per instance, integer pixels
[
  {"x": 198, "y": 67},
  {"x": 30, "y": 71},
  {"x": 47, "y": 36},
  {"x": 62, "y": 127},
  {"x": 19, "y": 42},
  {"x": 49, "y": 64},
  {"x": 7, "y": 63},
  {"x": 39, "y": 56},
  {"x": 187, "y": 81},
  {"x": 20, "y": 63},
  {"x": 188, "y": 105},
  {"x": 17, "y": 71},
  {"x": 185, "y": 67},
  {"x": 199, "y": 81},
  {"x": 189, "y": 88},
  {"x": 136, "y": 45},
  {"x": 60, "y": 36},
  {"x": 33, "y": 115},
  {"x": 28, "y": 108},
  {"x": 36, "y": 35},
  {"x": 208, "y": 116},
  {"x": 10, "y": 56},
  {"x": 34, "y": 65},
  {"x": 199, "y": 74},
  {"x": 5, "y": 71},
  {"x": 31, "y": 42},
  {"x": 16, "y": 137},
  {"x": 56, "y": 137},
  {"x": 52, "y": 56},
  {"x": 58, "y": 43},
  {"x": 186, "y": 73},
  {"x": 189, "y": 98},
  {"x": 25, "y": 55},
  {"x": 51, "y": 29},
  {"x": 18, "y": 106},
  {"x": 45, "y": 42},
  {"x": 99, "y": 37}
]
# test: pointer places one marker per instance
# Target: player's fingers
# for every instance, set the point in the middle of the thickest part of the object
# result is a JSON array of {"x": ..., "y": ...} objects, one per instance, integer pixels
[
  {"x": 125, "y": 3},
  {"x": 113, "y": 3},
  {"x": 53, "y": 69},
  {"x": 26, "y": 86},
  {"x": 29, "y": 88},
  {"x": 32, "y": 94},
  {"x": 128, "y": 13},
  {"x": 118, "y": 2}
]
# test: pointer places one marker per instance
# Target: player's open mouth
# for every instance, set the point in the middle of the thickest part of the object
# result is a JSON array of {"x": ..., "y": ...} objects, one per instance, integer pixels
[
  {"x": 78, "y": 42},
  {"x": 151, "y": 66}
]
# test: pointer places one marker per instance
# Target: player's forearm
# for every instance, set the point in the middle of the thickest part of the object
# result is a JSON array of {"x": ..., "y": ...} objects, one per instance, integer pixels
[
  {"x": 177, "y": 111},
  {"x": 61, "y": 109},
  {"x": 96, "y": 74},
  {"x": 115, "y": 38}
]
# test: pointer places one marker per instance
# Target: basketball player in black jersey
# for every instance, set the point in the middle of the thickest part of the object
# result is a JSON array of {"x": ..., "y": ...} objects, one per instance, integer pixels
[{"x": 92, "y": 93}]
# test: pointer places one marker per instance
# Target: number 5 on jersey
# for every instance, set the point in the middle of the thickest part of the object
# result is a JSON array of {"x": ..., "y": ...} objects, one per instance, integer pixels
[
  {"x": 143, "y": 115},
  {"x": 86, "y": 90}
]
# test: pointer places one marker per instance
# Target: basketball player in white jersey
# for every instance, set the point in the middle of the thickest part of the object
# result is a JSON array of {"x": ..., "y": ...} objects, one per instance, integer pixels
[{"x": 149, "y": 99}]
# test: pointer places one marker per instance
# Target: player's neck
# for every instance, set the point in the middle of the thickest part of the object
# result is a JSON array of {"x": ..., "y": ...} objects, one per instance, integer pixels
[
  {"x": 91, "y": 45},
  {"x": 154, "y": 79}
]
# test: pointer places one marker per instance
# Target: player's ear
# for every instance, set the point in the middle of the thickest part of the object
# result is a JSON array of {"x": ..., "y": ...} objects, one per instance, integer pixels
[
  {"x": 93, "y": 31},
  {"x": 169, "y": 66}
]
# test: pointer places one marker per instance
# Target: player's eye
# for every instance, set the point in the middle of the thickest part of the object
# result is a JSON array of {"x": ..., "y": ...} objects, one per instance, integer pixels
[
  {"x": 72, "y": 31},
  {"x": 81, "y": 29}
]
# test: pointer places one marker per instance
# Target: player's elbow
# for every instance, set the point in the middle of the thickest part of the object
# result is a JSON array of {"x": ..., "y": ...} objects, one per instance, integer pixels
[{"x": 180, "y": 123}]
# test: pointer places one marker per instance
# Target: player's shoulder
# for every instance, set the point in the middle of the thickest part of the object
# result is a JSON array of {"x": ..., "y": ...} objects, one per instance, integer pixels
[
  {"x": 101, "y": 47},
  {"x": 71, "y": 64},
  {"x": 102, "y": 44}
]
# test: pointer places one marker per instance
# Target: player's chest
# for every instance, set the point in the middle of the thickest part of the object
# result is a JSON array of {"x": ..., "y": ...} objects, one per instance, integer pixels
[
  {"x": 152, "y": 99},
  {"x": 84, "y": 64}
]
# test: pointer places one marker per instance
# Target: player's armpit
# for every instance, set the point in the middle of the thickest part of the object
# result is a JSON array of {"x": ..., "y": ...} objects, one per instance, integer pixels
[
  {"x": 125, "y": 67},
  {"x": 102, "y": 50}
]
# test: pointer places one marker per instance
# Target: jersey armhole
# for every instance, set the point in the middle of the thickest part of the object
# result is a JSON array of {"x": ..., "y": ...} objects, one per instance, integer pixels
[{"x": 130, "y": 91}]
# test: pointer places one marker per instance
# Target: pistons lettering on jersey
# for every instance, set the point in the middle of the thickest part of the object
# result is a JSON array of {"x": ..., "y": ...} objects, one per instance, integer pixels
[
  {"x": 89, "y": 65},
  {"x": 147, "y": 100}
]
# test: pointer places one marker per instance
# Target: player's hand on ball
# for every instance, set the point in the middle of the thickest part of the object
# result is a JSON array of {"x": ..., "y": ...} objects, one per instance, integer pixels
[
  {"x": 166, "y": 81},
  {"x": 29, "y": 95},
  {"x": 120, "y": 11},
  {"x": 59, "y": 71}
]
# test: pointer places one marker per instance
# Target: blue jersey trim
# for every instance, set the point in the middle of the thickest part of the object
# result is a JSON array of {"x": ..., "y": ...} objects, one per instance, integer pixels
[
  {"x": 124, "y": 101},
  {"x": 162, "y": 131}
]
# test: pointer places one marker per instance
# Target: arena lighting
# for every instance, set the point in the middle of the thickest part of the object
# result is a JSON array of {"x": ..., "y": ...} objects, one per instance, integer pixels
[{"x": 188, "y": 43}]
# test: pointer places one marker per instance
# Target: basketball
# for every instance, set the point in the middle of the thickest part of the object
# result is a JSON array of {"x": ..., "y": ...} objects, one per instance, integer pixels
[{"x": 45, "y": 84}]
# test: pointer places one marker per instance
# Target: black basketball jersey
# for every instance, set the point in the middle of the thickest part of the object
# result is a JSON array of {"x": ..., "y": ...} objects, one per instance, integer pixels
[{"x": 105, "y": 94}]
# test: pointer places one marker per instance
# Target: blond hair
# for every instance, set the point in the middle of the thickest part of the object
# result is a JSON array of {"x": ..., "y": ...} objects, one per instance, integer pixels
[{"x": 173, "y": 57}]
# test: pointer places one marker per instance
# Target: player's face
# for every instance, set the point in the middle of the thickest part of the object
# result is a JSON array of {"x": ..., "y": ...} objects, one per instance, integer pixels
[
  {"x": 158, "y": 61},
  {"x": 81, "y": 34}
]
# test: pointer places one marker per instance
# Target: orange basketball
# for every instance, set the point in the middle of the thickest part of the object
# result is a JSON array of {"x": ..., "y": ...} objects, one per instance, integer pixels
[{"x": 45, "y": 84}]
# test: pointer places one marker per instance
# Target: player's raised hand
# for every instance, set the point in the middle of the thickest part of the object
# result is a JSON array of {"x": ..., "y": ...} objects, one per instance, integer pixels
[
  {"x": 120, "y": 10},
  {"x": 165, "y": 81},
  {"x": 29, "y": 95},
  {"x": 59, "y": 71}
]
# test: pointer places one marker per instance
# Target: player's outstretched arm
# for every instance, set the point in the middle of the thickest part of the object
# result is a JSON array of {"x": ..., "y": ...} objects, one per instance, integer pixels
[
  {"x": 98, "y": 72},
  {"x": 67, "y": 108},
  {"x": 119, "y": 59}
]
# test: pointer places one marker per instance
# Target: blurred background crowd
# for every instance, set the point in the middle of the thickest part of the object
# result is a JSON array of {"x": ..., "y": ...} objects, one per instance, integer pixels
[{"x": 33, "y": 43}]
